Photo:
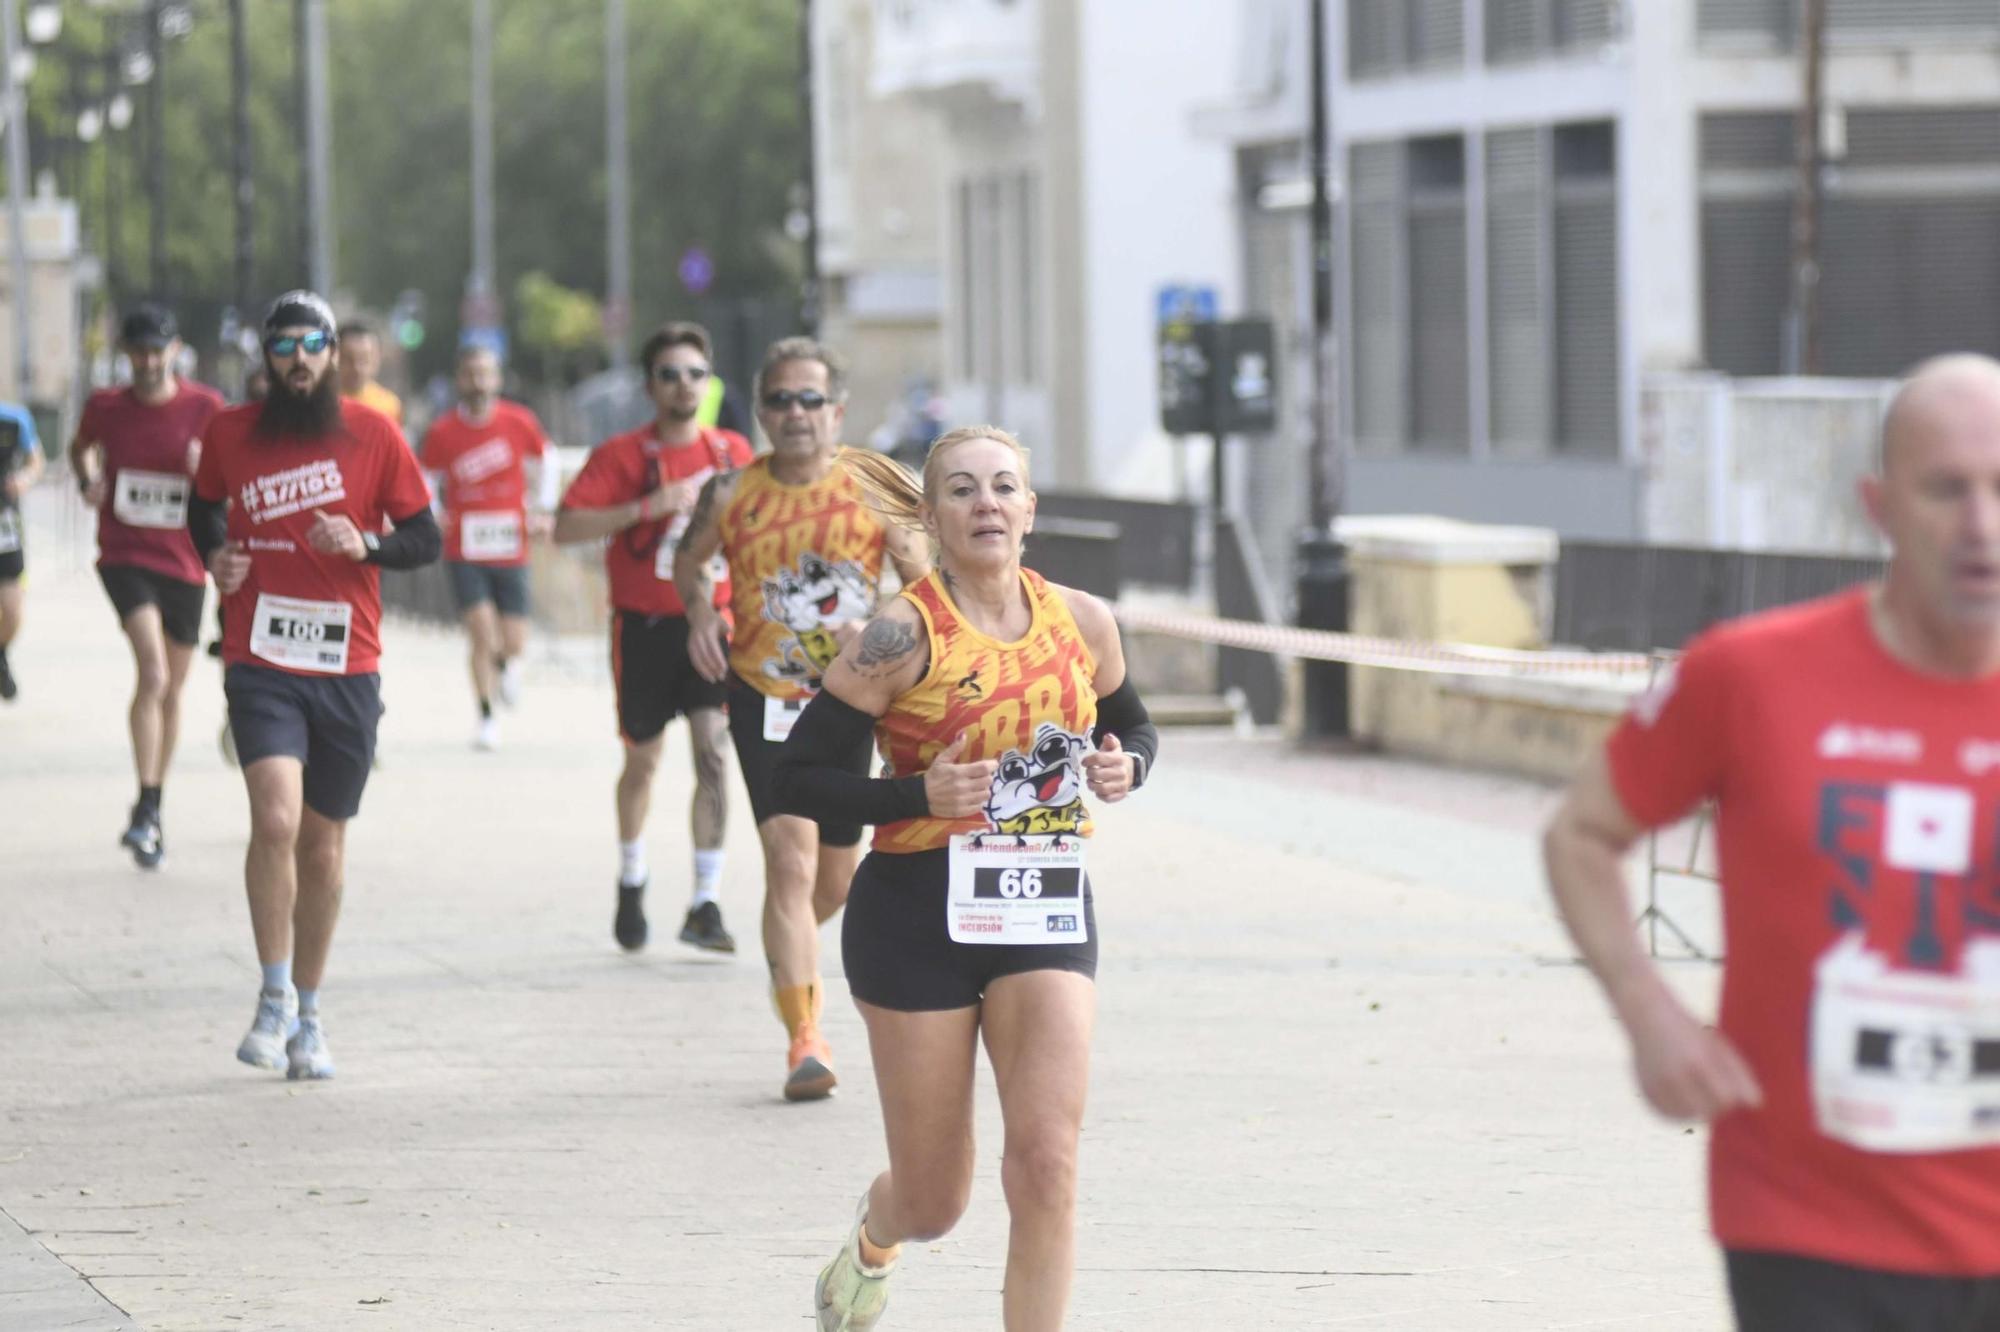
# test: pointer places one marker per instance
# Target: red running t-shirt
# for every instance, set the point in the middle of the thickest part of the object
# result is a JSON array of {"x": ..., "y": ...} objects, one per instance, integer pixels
[
  {"x": 148, "y": 460},
  {"x": 302, "y": 611},
  {"x": 1858, "y": 830},
  {"x": 639, "y": 561},
  {"x": 485, "y": 483}
]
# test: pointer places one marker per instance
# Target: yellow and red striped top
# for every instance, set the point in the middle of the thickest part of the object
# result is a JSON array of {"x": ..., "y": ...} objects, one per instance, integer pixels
[{"x": 1030, "y": 704}]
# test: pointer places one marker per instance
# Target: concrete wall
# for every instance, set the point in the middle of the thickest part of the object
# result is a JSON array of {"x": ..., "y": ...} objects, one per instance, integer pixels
[
  {"x": 1159, "y": 208},
  {"x": 1761, "y": 464},
  {"x": 1431, "y": 580}
]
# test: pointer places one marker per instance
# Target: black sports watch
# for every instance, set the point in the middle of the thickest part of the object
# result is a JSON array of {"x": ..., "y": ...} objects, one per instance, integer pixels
[{"x": 372, "y": 545}]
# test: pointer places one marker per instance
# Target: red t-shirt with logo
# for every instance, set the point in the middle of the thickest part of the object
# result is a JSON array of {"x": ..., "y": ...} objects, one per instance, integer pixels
[
  {"x": 639, "y": 561},
  {"x": 300, "y": 610},
  {"x": 148, "y": 460},
  {"x": 1858, "y": 831},
  {"x": 485, "y": 483}
]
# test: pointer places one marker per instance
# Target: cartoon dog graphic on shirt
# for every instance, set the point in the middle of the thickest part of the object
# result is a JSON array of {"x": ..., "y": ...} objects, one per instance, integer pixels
[
  {"x": 810, "y": 601},
  {"x": 1039, "y": 793}
]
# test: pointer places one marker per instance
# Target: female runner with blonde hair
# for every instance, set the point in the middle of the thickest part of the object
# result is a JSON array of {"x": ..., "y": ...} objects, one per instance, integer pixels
[{"x": 999, "y": 700}]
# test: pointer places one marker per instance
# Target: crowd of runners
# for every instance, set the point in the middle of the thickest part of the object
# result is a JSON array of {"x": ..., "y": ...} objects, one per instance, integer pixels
[{"x": 1850, "y": 746}]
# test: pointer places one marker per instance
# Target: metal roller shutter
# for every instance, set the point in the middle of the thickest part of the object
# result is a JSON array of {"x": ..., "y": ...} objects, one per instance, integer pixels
[
  {"x": 1514, "y": 29},
  {"x": 1911, "y": 16},
  {"x": 1745, "y": 283},
  {"x": 1437, "y": 32},
  {"x": 1518, "y": 320},
  {"x": 1374, "y": 37},
  {"x": 1380, "y": 344},
  {"x": 1905, "y": 279},
  {"x": 1586, "y": 235}
]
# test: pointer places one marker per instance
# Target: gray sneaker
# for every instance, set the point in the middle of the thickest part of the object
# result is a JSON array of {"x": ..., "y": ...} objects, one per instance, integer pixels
[
  {"x": 849, "y": 1297},
  {"x": 307, "y": 1052},
  {"x": 277, "y": 1018}
]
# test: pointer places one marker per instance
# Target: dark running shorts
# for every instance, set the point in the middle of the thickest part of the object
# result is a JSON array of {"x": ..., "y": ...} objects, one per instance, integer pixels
[
  {"x": 758, "y": 757},
  {"x": 131, "y": 587},
  {"x": 656, "y": 681},
  {"x": 326, "y": 721},
  {"x": 899, "y": 953},
  {"x": 505, "y": 585},
  {"x": 1782, "y": 1292}
]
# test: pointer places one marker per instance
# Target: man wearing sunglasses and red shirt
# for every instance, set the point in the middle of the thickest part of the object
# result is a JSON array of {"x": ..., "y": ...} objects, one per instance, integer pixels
[
  {"x": 288, "y": 513},
  {"x": 638, "y": 490}
]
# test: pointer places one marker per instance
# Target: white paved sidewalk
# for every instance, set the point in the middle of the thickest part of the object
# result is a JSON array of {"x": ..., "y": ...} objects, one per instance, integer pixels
[{"x": 1345, "y": 1074}]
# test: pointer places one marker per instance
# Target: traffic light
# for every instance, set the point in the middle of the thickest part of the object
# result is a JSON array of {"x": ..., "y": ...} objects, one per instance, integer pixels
[{"x": 406, "y": 320}]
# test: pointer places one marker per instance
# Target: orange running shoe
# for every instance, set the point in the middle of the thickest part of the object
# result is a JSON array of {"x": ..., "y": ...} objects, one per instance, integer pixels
[{"x": 811, "y": 1067}]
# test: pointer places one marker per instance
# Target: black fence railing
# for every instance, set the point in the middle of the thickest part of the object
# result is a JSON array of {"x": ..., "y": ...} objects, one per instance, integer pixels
[{"x": 1616, "y": 597}]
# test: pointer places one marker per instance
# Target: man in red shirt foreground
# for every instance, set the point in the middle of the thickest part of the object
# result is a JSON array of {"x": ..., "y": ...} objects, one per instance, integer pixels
[
  {"x": 480, "y": 455},
  {"x": 1852, "y": 746},
  {"x": 639, "y": 489},
  {"x": 134, "y": 455},
  {"x": 308, "y": 480}
]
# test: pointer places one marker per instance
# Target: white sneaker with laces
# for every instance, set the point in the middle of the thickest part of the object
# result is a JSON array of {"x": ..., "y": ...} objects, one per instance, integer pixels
[
  {"x": 850, "y": 1297},
  {"x": 510, "y": 682},
  {"x": 277, "y": 1019},
  {"x": 307, "y": 1053},
  {"x": 487, "y": 737}
]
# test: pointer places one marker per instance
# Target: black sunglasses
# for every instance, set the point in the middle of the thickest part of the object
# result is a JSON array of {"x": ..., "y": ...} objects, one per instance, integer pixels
[
  {"x": 673, "y": 374},
  {"x": 312, "y": 344},
  {"x": 781, "y": 400}
]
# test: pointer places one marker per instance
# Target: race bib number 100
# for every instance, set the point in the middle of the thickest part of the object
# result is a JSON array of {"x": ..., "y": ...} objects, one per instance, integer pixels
[
  {"x": 302, "y": 635},
  {"x": 1016, "y": 890}
]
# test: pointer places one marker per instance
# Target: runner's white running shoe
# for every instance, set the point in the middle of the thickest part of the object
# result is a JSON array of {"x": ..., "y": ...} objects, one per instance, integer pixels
[
  {"x": 277, "y": 1018},
  {"x": 849, "y": 1297},
  {"x": 487, "y": 737},
  {"x": 510, "y": 682},
  {"x": 307, "y": 1053}
]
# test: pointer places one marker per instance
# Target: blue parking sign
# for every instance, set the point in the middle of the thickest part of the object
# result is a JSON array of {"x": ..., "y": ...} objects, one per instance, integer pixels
[{"x": 1179, "y": 304}]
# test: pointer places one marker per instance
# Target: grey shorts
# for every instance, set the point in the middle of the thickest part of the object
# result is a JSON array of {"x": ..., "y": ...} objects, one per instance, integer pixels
[
  {"x": 327, "y": 722},
  {"x": 504, "y": 585}
]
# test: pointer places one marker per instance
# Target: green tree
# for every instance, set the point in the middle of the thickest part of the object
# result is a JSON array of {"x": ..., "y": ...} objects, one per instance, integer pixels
[{"x": 716, "y": 148}]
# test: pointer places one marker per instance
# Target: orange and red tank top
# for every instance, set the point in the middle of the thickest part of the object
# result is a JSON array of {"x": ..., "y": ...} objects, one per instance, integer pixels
[
  {"x": 1030, "y": 704},
  {"x": 803, "y": 560}
]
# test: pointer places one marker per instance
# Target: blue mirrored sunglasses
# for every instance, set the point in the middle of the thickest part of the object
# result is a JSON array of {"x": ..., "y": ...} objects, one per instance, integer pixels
[{"x": 312, "y": 344}]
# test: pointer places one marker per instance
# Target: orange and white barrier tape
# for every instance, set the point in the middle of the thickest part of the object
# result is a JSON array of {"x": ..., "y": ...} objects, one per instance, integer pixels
[{"x": 1389, "y": 653}]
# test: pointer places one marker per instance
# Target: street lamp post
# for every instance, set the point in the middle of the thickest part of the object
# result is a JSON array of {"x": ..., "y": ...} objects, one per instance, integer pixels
[{"x": 1322, "y": 560}]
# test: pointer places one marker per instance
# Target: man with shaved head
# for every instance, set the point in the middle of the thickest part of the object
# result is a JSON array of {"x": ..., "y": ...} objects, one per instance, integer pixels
[{"x": 1852, "y": 748}]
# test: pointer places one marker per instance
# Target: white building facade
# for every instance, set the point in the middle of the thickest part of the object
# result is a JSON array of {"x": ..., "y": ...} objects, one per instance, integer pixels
[
  {"x": 1541, "y": 203},
  {"x": 1062, "y": 185}
]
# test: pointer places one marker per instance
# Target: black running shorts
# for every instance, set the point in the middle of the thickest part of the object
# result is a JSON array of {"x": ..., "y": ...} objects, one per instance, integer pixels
[
  {"x": 131, "y": 587},
  {"x": 13, "y": 541},
  {"x": 504, "y": 585},
  {"x": 655, "y": 680},
  {"x": 13, "y": 564},
  {"x": 327, "y": 722},
  {"x": 900, "y": 954},
  {"x": 758, "y": 758},
  {"x": 1782, "y": 1292}
]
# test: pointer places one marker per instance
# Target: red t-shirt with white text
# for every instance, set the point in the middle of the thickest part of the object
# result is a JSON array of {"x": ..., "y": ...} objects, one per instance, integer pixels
[
  {"x": 300, "y": 610},
  {"x": 485, "y": 481},
  {"x": 638, "y": 562},
  {"x": 1858, "y": 832},
  {"x": 148, "y": 459}
]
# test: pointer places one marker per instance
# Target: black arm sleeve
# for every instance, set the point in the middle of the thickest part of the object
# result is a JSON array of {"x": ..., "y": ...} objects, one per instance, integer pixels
[
  {"x": 415, "y": 542},
  {"x": 809, "y": 779},
  {"x": 1120, "y": 713},
  {"x": 208, "y": 525}
]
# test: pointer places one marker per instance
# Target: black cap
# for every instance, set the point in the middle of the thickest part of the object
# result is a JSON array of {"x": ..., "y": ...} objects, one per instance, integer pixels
[
  {"x": 148, "y": 326},
  {"x": 300, "y": 309}
]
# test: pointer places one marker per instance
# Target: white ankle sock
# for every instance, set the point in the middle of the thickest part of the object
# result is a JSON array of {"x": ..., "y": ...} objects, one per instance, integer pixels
[
  {"x": 707, "y": 875},
  {"x": 632, "y": 862}
]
